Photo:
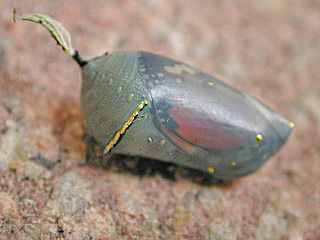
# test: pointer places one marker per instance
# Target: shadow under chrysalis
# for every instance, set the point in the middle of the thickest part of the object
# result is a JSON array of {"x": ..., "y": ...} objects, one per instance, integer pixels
[{"x": 145, "y": 167}]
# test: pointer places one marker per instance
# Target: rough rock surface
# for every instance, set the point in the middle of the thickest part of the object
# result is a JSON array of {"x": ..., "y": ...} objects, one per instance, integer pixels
[{"x": 268, "y": 48}]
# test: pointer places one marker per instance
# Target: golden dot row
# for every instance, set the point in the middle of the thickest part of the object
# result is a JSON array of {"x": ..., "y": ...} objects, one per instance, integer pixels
[
  {"x": 125, "y": 126},
  {"x": 234, "y": 163}
]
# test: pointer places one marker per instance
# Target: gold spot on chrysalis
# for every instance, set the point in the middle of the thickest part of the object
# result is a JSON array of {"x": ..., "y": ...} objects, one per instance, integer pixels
[
  {"x": 211, "y": 170},
  {"x": 130, "y": 97},
  {"x": 234, "y": 163},
  {"x": 162, "y": 142},
  {"x": 150, "y": 140},
  {"x": 259, "y": 137},
  {"x": 291, "y": 125}
]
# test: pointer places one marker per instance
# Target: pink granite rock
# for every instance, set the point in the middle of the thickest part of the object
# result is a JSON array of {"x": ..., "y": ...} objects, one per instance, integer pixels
[{"x": 267, "y": 48}]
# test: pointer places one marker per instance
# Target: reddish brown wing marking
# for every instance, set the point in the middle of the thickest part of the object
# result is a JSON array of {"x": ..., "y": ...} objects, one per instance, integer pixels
[
  {"x": 187, "y": 147},
  {"x": 203, "y": 132}
]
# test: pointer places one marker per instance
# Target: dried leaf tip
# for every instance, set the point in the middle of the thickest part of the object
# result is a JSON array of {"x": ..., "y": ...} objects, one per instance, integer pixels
[
  {"x": 57, "y": 31},
  {"x": 14, "y": 15}
]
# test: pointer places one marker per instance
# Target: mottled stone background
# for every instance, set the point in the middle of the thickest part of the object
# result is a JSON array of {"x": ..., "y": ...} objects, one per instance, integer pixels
[{"x": 270, "y": 49}]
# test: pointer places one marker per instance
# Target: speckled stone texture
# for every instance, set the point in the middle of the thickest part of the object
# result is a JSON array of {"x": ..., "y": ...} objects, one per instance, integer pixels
[{"x": 267, "y": 48}]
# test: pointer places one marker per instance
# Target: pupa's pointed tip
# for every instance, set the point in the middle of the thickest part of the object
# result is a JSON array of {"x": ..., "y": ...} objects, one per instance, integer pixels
[{"x": 283, "y": 128}]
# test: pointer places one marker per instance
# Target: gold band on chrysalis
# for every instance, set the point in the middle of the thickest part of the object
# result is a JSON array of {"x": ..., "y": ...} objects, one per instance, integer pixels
[{"x": 125, "y": 126}]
